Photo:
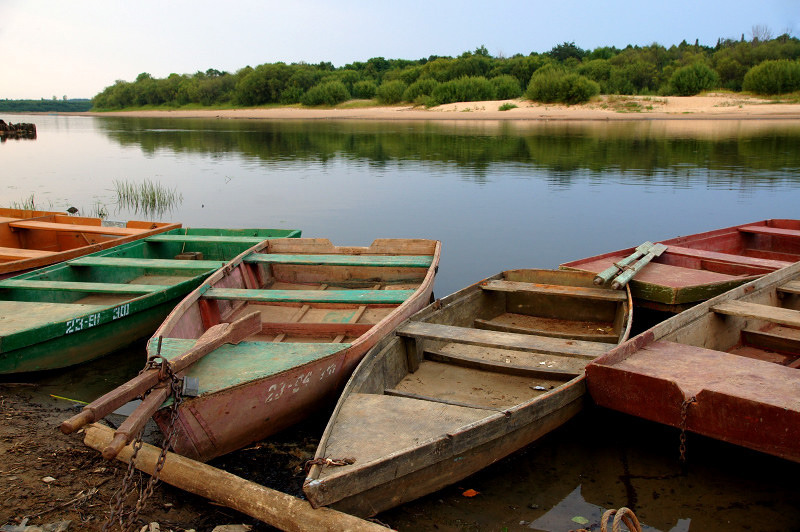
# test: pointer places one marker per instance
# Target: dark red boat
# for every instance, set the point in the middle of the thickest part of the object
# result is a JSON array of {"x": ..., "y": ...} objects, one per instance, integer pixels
[
  {"x": 698, "y": 267},
  {"x": 728, "y": 368}
]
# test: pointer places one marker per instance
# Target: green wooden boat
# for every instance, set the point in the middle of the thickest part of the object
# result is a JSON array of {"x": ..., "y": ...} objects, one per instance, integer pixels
[{"x": 87, "y": 307}]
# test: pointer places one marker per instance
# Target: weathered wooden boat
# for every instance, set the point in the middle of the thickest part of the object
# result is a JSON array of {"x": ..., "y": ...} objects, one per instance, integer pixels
[
  {"x": 321, "y": 308},
  {"x": 463, "y": 383},
  {"x": 698, "y": 267},
  {"x": 33, "y": 239},
  {"x": 728, "y": 368},
  {"x": 86, "y": 307}
]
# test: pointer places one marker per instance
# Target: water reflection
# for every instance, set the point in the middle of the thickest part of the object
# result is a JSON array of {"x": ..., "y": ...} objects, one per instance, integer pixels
[{"x": 665, "y": 154}]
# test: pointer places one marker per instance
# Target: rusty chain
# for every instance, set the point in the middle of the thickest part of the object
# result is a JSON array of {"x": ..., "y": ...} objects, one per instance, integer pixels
[
  {"x": 117, "y": 512},
  {"x": 684, "y": 415}
]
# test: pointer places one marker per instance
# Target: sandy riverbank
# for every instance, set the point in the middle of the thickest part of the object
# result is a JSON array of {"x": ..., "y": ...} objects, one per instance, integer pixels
[{"x": 718, "y": 106}]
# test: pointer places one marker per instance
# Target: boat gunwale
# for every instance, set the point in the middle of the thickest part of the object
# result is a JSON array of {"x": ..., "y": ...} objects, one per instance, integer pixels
[{"x": 499, "y": 418}]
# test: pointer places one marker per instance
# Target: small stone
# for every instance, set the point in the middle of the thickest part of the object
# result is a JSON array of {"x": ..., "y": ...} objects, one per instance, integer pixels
[{"x": 48, "y": 480}]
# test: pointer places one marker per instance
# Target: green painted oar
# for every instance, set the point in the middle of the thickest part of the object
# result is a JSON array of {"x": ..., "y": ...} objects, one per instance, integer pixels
[
  {"x": 623, "y": 278},
  {"x": 607, "y": 274}
]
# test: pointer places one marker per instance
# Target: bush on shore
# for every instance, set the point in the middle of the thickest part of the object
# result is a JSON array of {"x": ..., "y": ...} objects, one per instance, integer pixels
[
  {"x": 552, "y": 84},
  {"x": 693, "y": 79},
  {"x": 773, "y": 77},
  {"x": 465, "y": 89},
  {"x": 390, "y": 92},
  {"x": 328, "y": 93}
]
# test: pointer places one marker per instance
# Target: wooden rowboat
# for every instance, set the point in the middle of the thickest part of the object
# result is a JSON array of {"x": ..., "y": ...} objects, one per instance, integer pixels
[
  {"x": 698, "y": 267},
  {"x": 33, "y": 239},
  {"x": 462, "y": 384},
  {"x": 321, "y": 308},
  {"x": 732, "y": 364},
  {"x": 86, "y": 307}
]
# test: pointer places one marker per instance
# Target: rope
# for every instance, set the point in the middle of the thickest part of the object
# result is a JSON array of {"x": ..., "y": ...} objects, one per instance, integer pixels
[{"x": 623, "y": 515}]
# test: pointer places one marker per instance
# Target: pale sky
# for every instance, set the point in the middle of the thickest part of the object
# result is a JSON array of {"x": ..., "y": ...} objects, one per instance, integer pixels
[{"x": 76, "y": 48}]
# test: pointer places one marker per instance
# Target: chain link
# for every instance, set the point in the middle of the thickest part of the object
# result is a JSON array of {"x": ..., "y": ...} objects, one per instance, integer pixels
[
  {"x": 118, "y": 513},
  {"x": 684, "y": 415}
]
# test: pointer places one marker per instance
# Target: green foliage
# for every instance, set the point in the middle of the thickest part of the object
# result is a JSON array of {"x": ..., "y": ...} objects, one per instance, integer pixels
[
  {"x": 466, "y": 89},
  {"x": 328, "y": 93},
  {"x": 693, "y": 79},
  {"x": 147, "y": 197},
  {"x": 422, "y": 87},
  {"x": 364, "y": 89},
  {"x": 554, "y": 84},
  {"x": 507, "y": 107},
  {"x": 45, "y": 106},
  {"x": 506, "y": 87},
  {"x": 773, "y": 77},
  {"x": 390, "y": 92},
  {"x": 632, "y": 70}
]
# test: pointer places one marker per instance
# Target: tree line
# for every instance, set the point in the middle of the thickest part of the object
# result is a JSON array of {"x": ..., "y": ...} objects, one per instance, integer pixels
[{"x": 566, "y": 73}]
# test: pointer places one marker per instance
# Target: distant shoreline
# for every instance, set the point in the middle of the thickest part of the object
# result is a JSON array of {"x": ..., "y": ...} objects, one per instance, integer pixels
[{"x": 714, "y": 106}]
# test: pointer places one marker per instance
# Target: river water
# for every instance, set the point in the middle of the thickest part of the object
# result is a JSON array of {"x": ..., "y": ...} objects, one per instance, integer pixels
[{"x": 499, "y": 196}]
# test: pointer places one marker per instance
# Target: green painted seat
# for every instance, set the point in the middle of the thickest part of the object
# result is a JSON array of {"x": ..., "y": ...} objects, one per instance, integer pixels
[
  {"x": 173, "y": 264},
  {"x": 71, "y": 286},
  {"x": 396, "y": 261},
  {"x": 356, "y": 297}
]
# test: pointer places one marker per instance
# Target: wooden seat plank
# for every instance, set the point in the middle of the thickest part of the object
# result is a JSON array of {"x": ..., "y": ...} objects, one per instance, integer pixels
[
  {"x": 727, "y": 257},
  {"x": 70, "y": 286},
  {"x": 522, "y": 342},
  {"x": 744, "y": 309},
  {"x": 397, "y": 261},
  {"x": 498, "y": 367},
  {"x": 95, "y": 229},
  {"x": 764, "y": 230},
  {"x": 22, "y": 253},
  {"x": 173, "y": 264},
  {"x": 359, "y": 297},
  {"x": 211, "y": 239},
  {"x": 792, "y": 287},
  {"x": 558, "y": 290}
]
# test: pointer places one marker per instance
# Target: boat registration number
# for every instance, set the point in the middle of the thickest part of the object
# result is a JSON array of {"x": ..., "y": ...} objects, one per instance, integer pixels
[
  {"x": 277, "y": 390},
  {"x": 85, "y": 322}
]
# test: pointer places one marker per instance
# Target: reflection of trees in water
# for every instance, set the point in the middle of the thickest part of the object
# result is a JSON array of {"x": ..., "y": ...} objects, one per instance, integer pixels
[{"x": 630, "y": 152}]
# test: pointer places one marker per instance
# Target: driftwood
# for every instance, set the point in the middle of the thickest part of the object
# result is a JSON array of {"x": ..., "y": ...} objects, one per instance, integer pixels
[{"x": 272, "y": 507}]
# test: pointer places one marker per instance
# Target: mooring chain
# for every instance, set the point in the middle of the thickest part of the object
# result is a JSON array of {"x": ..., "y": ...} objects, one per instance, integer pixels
[
  {"x": 329, "y": 462},
  {"x": 176, "y": 386},
  {"x": 684, "y": 415}
]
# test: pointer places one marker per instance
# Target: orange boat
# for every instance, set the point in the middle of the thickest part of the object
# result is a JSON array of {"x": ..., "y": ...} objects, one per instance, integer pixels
[{"x": 32, "y": 239}]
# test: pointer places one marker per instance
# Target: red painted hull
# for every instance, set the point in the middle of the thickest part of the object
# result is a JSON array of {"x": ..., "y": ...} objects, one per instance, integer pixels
[
  {"x": 698, "y": 267},
  {"x": 216, "y": 423},
  {"x": 728, "y": 376}
]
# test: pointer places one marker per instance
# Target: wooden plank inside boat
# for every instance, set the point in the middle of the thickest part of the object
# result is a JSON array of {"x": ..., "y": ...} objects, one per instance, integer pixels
[{"x": 758, "y": 311}]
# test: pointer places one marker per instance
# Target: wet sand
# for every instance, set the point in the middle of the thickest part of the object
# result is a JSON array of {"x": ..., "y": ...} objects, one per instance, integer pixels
[{"x": 716, "y": 106}]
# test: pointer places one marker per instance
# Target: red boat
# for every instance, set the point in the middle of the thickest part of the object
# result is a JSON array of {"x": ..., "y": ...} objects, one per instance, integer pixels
[
  {"x": 321, "y": 308},
  {"x": 698, "y": 267},
  {"x": 727, "y": 368}
]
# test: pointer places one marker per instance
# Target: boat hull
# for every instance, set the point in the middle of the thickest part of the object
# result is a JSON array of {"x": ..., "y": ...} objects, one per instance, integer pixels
[
  {"x": 698, "y": 267},
  {"x": 727, "y": 369},
  {"x": 463, "y": 383},
  {"x": 82, "y": 309},
  {"x": 254, "y": 389}
]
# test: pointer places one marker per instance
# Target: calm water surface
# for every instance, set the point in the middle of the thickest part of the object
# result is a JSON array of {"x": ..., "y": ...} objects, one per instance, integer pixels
[{"x": 498, "y": 196}]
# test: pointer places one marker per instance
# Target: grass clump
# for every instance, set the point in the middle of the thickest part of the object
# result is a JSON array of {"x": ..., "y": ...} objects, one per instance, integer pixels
[
  {"x": 147, "y": 197},
  {"x": 507, "y": 106}
]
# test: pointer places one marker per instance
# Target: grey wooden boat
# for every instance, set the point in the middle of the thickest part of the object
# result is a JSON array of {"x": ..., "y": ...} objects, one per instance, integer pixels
[{"x": 463, "y": 383}]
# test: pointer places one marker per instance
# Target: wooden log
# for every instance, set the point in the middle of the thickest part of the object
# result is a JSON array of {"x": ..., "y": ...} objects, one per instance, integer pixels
[
  {"x": 272, "y": 507},
  {"x": 612, "y": 271}
]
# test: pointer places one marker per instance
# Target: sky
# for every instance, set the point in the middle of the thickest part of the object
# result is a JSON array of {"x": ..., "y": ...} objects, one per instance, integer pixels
[{"x": 77, "y": 48}]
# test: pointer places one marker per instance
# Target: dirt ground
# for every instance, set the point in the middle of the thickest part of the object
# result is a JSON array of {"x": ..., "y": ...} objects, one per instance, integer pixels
[{"x": 47, "y": 477}]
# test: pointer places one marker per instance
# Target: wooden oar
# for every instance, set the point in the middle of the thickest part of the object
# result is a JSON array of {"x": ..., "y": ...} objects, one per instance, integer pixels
[
  {"x": 607, "y": 274},
  {"x": 214, "y": 337},
  {"x": 622, "y": 279}
]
